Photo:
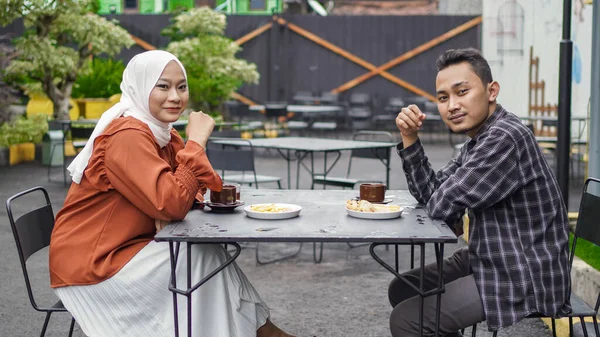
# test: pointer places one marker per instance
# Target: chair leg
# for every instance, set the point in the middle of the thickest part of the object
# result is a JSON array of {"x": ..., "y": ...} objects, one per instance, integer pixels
[
  {"x": 46, "y": 323},
  {"x": 72, "y": 326},
  {"x": 50, "y": 162},
  {"x": 276, "y": 259},
  {"x": 359, "y": 245},
  {"x": 570, "y": 326},
  {"x": 553, "y": 327},
  {"x": 474, "y": 330},
  {"x": 596, "y": 326},
  {"x": 279, "y": 184},
  {"x": 585, "y": 333},
  {"x": 496, "y": 333}
]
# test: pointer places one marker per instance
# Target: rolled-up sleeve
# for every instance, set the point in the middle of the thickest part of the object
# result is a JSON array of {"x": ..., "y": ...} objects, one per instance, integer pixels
[{"x": 135, "y": 169}]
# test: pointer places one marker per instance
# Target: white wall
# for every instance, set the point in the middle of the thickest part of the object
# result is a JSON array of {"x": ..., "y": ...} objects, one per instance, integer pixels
[
  {"x": 460, "y": 7},
  {"x": 542, "y": 29}
]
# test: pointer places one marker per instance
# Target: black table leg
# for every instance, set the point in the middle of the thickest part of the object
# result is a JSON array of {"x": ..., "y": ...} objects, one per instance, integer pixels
[
  {"x": 288, "y": 159},
  {"x": 420, "y": 290},
  {"x": 174, "y": 255}
]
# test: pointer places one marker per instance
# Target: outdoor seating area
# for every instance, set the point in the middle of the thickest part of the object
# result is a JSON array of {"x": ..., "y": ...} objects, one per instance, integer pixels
[{"x": 376, "y": 168}]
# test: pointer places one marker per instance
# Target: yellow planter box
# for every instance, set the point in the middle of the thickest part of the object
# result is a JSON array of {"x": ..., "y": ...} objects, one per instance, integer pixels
[
  {"x": 41, "y": 104},
  {"x": 93, "y": 108},
  {"x": 20, "y": 153},
  {"x": 69, "y": 149}
]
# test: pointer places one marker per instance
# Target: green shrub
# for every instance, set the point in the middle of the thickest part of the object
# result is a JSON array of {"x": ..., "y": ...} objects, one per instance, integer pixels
[
  {"x": 587, "y": 251},
  {"x": 213, "y": 70},
  {"x": 24, "y": 130},
  {"x": 101, "y": 79}
]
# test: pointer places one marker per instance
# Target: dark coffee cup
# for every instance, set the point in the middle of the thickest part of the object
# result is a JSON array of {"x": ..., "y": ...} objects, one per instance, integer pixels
[
  {"x": 372, "y": 192},
  {"x": 227, "y": 195}
]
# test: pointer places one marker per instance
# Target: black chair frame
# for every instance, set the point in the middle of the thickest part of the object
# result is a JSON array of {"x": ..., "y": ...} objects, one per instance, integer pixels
[
  {"x": 588, "y": 229},
  {"x": 32, "y": 232}
]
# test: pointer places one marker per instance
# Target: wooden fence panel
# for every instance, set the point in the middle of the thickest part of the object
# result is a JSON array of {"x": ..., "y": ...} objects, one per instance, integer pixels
[{"x": 289, "y": 62}]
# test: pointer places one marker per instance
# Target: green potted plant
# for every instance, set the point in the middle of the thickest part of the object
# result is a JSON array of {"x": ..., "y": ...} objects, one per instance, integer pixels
[
  {"x": 96, "y": 84},
  {"x": 21, "y": 139}
]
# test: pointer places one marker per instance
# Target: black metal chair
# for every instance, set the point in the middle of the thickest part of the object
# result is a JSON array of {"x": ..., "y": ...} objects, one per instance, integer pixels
[
  {"x": 238, "y": 159},
  {"x": 381, "y": 154},
  {"x": 238, "y": 111},
  {"x": 79, "y": 132},
  {"x": 587, "y": 229},
  {"x": 274, "y": 110},
  {"x": 32, "y": 232}
]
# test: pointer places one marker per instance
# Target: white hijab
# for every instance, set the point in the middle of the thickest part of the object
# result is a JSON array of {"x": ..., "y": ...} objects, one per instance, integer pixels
[{"x": 139, "y": 78}]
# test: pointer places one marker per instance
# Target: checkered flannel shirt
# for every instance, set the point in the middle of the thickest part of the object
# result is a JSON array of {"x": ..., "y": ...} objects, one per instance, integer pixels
[{"x": 518, "y": 233}]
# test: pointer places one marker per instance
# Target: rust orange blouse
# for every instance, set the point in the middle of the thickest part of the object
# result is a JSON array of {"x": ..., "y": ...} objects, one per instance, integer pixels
[{"x": 129, "y": 182}]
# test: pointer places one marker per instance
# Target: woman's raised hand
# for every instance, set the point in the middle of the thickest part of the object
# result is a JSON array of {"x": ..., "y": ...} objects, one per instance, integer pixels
[{"x": 200, "y": 126}]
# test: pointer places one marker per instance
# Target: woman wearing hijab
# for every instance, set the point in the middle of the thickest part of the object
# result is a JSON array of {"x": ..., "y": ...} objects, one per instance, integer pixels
[{"x": 134, "y": 175}]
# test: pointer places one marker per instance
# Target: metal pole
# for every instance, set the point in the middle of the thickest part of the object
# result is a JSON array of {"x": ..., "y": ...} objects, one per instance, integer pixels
[
  {"x": 594, "y": 122},
  {"x": 564, "y": 104}
]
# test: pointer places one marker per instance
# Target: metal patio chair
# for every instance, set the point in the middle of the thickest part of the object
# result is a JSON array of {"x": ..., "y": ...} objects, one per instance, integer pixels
[
  {"x": 588, "y": 229},
  {"x": 32, "y": 233},
  {"x": 382, "y": 154}
]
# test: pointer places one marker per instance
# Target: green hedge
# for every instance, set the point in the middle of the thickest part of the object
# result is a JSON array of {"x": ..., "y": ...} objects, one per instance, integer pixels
[{"x": 587, "y": 251}]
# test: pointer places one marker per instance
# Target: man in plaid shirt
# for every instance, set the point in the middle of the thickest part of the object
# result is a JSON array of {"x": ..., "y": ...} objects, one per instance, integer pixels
[{"x": 516, "y": 262}]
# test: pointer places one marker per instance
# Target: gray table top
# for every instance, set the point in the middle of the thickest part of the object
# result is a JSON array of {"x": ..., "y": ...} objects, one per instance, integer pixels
[
  {"x": 303, "y": 108},
  {"x": 323, "y": 219},
  {"x": 308, "y": 144}
]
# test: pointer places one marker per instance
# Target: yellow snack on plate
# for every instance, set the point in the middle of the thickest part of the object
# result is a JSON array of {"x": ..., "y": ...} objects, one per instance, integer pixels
[
  {"x": 365, "y": 206},
  {"x": 268, "y": 208}
]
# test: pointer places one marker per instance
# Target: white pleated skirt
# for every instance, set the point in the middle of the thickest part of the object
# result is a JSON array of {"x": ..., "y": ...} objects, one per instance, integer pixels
[{"x": 137, "y": 301}]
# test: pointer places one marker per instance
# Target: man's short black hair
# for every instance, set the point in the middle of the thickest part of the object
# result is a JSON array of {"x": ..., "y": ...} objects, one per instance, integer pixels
[{"x": 470, "y": 55}]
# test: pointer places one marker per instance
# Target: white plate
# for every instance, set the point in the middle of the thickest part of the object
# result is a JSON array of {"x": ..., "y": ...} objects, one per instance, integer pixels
[
  {"x": 374, "y": 215},
  {"x": 291, "y": 212}
]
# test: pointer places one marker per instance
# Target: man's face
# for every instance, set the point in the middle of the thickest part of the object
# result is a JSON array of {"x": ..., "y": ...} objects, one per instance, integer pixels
[{"x": 463, "y": 100}]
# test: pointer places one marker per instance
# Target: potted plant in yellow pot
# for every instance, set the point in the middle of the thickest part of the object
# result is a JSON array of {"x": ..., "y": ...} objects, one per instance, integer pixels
[
  {"x": 19, "y": 139},
  {"x": 98, "y": 86}
]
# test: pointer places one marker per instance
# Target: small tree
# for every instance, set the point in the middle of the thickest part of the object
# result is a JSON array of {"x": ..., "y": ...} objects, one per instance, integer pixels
[
  {"x": 7, "y": 92},
  {"x": 60, "y": 36},
  {"x": 213, "y": 70}
]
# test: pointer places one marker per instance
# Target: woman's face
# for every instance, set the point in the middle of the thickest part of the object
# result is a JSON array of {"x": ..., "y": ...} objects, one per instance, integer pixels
[{"x": 170, "y": 96}]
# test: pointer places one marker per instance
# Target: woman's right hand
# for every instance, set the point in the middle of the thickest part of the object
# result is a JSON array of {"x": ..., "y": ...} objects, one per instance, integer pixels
[{"x": 200, "y": 126}]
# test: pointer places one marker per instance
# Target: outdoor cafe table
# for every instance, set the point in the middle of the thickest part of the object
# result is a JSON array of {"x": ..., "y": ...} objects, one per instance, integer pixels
[
  {"x": 304, "y": 109},
  {"x": 304, "y": 146},
  {"x": 310, "y": 112},
  {"x": 323, "y": 219}
]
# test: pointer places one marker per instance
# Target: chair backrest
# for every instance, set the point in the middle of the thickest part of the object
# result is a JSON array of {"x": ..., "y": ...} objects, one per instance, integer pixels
[
  {"x": 237, "y": 110},
  {"x": 275, "y": 109},
  {"x": 360, "y": 98},
  {"x": 81, "y": 132},
  {"x": 418, "y": 101},
  {"x": 226, "y": 134},
  {"x": 304, "y": 97},
  {"x": 588, "y": 221},
  {"x": 378, "y": 136},
  {"x": 32, "y": 232},
  {"x": 328, "y": 97},
  {"x": 231, "y": 158}
]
